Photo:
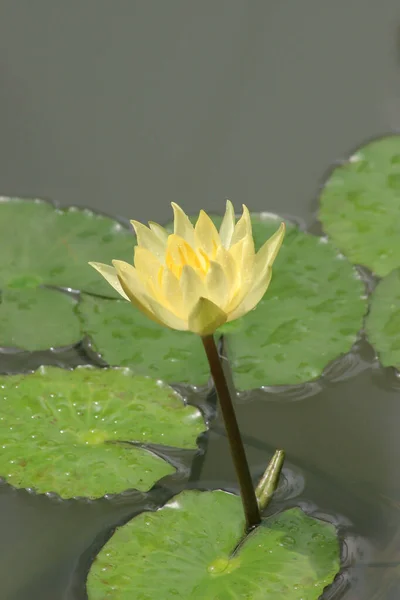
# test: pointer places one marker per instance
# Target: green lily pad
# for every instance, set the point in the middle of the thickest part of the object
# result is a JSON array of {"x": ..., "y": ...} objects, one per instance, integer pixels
[
  {"x": 37, "y": 319},
  {"x": 383, "y": 321},
  {"x": 44, "y": 245},
  {"x": 125, "y": 337},
  {"x": 360, "y": 206},
  {"x": 186, "y": 550},
  {"x": 68, "y": 431},
  {"x": 309, "y": 316}
]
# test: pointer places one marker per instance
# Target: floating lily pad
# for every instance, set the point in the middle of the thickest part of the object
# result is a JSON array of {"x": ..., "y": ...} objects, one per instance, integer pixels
[
  {"x": 186, "y": 550},
  {"x": 383, "y": 321},
  {"x": 42, "y": 245},
  {"x": 67, "y": 431},
  {"x": 125, "y": 337},
  {"x": 360, "y": 206},
  {"x": 37, "y": 319},
  {"x": 309, "y": 316}
]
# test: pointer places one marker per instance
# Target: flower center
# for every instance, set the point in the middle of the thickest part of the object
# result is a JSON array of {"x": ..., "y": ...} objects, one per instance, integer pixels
[{"x": 180, "y": 253}]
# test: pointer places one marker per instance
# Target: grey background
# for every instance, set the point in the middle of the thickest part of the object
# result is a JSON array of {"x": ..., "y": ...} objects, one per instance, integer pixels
[{"x": 126, "y": 105}]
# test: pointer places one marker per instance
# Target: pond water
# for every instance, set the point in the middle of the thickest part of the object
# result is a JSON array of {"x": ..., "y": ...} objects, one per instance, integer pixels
[{"x": 125, "y": 107}]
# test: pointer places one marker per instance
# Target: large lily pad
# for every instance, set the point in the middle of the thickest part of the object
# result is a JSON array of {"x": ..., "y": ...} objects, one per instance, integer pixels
[
  {"x": 68, "y": 431},
  {"x": 186, "y": 550},
  {"x": 360, "y": 206},
  {"x": 43, "y": 245},
  {"x": 309, "y": 316},
  {"x": 37, "y": 319},
  {"x": 383, "y": 321}
]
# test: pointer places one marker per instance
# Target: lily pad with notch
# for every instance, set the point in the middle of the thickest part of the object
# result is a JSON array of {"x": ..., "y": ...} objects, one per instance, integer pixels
[
  {"x": 193, "y": 548},
  {"x": 84, "y": 432},
  {"x": 123, "y": 336},
  {"x": 37, "y": 319},
  {"x": 360, "y": 206},
  {"x": 310, "y": 315},
  {"x": 45, "y": 245}
]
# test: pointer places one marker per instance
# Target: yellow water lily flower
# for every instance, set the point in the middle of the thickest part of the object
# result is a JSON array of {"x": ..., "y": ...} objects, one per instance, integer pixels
[{"x": 197, "y": 278}]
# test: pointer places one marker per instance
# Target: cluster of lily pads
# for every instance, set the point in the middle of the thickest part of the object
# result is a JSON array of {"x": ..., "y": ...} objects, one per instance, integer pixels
[{"x": 93, "y": 431}]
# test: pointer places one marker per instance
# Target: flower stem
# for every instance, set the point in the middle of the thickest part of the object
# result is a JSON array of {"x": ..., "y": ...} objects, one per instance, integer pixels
[{"x": 249, "y": 500}]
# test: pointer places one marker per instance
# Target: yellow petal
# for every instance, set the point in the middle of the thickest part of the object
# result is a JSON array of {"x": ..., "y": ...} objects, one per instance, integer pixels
[
  {"x": 243, "y": 255},
  {"x": 144, "y": 308},
  {"x": 228, "y": 225},
  {"x": 172, "y": 292},
  {"x": 133, "y": 288},
  {"x": 225, "y": 259},
  {"x": 243, "y": 227},
  {"x": 268, "y": 252},
  {"x": 132, "y": 283},
  {"x": 110, "y": 275},
  {"x": 238, "y": 297},
  {"x": 192, "y": 287},
  {"x": 217, "y": 289},
  {"x": 236, "y": 254},
  {"x": 253, "y": 297},
  {"x": 261, "y": 276},
  {"x": 206, "y": 234},
  {"x": 146, "y": 264},
  {"x": 248, "y": 257},
  {"x": 165, "y": 316},
  {"x": 206, "y": 317},
  {"x": 153, "y": 309},
  {"x": 148, "y": 239},
  {"x": 160, "y": 232},
  {"x": 182, "y": 225}
]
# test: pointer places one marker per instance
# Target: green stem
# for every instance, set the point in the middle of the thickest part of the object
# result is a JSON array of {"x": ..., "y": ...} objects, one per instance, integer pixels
[
  {"x": 269, "y": 481},
  {"x": 249, "y": 500}
]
